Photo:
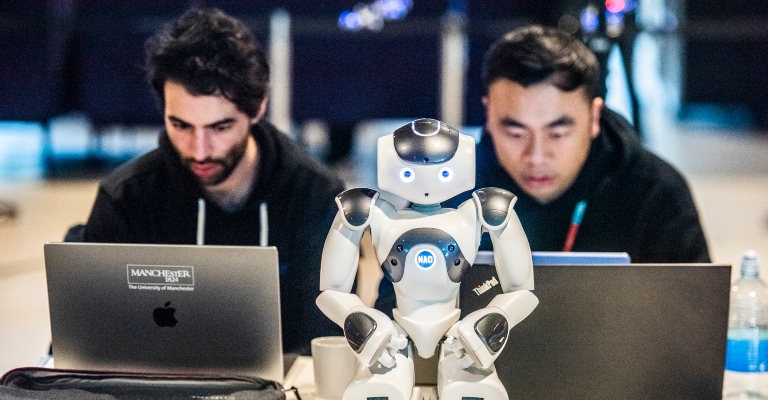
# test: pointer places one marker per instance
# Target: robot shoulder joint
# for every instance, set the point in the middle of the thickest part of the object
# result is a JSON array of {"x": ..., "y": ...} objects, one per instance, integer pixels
[
  {"x": 494, "y": 206},
  {"x": 355, "y": 206}
]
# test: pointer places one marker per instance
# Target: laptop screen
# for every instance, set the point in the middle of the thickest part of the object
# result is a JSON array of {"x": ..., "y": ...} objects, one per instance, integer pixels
[
  {"x": 608, "y": 331},
  {"x": 564, "y": 258}
]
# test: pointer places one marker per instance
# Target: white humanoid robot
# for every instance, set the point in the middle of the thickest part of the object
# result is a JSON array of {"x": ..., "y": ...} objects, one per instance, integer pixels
[{"x": 425, "y": 251}]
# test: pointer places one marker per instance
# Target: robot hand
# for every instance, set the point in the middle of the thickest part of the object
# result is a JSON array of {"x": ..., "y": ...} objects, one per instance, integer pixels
[
  {"x": 482, "y": 334},
  {"x": 481, "y": 337},
  {"x": 453, "y": 345},
  {"x": 373, "y": 336}
]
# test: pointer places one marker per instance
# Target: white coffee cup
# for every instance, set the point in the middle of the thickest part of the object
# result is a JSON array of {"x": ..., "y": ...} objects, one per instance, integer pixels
[{"x": 335, "y": 365}]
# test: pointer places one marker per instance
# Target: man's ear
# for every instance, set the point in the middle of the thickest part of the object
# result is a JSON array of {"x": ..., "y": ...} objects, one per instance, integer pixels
[
  {"x": 595, "y": 109},
  {"x": 262, "y": 111}
]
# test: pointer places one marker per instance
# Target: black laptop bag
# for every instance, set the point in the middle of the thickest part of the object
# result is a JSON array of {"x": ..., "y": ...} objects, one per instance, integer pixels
[{"x": 53, "y": 384}]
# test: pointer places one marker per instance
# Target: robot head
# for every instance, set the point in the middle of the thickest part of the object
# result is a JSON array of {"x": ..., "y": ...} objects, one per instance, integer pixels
[{"x": 426, "y": 162}]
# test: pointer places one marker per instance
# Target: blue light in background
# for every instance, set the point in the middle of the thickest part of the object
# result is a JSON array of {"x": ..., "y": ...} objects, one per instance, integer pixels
[
  {"x": 614, "y": 19},
  {"x": 394, "y": 9},
  {"x": 350, "y": 20},
  {"x": 589, "y": 20},
  {"x": 372, "y": 16},
  {"x": 21, "y": 149}
]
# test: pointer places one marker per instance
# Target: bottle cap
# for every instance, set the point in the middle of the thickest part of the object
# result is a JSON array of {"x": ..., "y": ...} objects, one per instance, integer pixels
[{"x": 750, "y": 268}]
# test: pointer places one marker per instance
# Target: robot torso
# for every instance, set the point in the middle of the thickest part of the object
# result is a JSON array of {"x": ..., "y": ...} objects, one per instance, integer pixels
[{"x": 425, "y": 254}]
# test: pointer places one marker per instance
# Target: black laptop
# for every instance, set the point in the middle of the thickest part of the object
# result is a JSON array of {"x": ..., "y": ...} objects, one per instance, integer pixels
[{"x": 614, "y": 331}]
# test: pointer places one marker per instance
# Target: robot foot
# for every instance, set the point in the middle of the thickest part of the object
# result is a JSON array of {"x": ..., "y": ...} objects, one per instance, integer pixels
[
  {"x": 472, "y": 390},
  {"x": 377, "y": 382},
  {"x": 379, "y": 392},
  {"x": 455, "y": 383}
]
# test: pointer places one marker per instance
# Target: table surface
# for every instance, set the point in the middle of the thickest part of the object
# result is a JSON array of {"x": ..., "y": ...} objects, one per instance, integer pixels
[{"x": 302, "y": 376}]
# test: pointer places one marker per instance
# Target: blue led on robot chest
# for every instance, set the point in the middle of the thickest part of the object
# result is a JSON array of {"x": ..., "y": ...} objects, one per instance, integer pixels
[
  {"x": 425, "y": 259},
  {"x": 456, "y": 265}
]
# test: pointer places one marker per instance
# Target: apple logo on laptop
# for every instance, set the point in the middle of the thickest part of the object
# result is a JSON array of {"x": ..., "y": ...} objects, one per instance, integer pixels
[{"x": 164, "y": 315}]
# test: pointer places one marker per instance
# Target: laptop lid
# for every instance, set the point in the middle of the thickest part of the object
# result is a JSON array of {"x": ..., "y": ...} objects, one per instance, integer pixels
[
  {"x": 607, "y": 331},
  {"x": 564, "y": 258},
  {"x": 165, "y": 308}
]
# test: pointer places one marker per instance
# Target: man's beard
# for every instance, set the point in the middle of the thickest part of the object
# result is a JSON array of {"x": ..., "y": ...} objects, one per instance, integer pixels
[{"x": 227, "y": 163}]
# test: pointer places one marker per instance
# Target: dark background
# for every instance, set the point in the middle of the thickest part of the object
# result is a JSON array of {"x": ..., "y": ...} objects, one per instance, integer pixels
[
  {"x": 87, "y": 55},
  {"x": 726, "y": 54}
]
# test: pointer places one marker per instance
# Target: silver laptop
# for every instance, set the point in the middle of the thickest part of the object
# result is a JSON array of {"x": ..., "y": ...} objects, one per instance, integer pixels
[
  {"x": 638, "y": 331},
  {"x": 165, "y": 308}
]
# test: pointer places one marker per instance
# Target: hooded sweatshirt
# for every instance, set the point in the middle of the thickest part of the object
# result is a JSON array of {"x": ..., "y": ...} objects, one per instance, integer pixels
[
  {"x": 156, "y": 199},
  {"x": 636, "y": 202}
]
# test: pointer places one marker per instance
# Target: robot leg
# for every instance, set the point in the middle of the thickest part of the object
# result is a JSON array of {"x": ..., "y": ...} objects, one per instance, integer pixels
[
  {"x": 377, "y": 381},
  {"x": 457, "y": 383}
]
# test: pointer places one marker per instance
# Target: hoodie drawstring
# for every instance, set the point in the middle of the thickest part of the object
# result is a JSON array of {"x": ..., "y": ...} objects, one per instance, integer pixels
[
  {"x": 263, "y": 223},
  {"x": 200, "y": 221}
]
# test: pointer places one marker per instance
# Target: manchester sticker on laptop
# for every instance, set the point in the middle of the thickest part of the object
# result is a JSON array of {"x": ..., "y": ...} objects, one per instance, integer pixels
[{"x": 160, "y": 277}]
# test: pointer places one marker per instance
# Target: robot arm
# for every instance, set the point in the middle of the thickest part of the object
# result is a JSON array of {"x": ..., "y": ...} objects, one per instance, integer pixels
[
  {"x": 481, "y": 335},
  {"x": 341, "y": 251},
  {"x": 368, "y": 331},
  {"x": 511, "y": 251}
]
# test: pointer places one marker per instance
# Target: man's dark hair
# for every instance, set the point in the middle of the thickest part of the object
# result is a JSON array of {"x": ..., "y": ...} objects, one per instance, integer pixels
[
  {"x": 209, "y": 53},
  {"x": 536, "y": 54}
]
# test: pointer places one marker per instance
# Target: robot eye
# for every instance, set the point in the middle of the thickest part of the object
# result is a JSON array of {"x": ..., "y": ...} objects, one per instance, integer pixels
[
  {"x": 407, "y": 175},
  {"x": 445, "y": 175}
]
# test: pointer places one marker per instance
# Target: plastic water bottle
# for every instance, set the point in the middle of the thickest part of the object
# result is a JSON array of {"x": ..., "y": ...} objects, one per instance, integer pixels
[{"x": 746, "y": 360}]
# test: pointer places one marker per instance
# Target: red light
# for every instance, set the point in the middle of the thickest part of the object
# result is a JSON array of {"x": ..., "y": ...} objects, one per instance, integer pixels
[{"x": 615, "y": 6}]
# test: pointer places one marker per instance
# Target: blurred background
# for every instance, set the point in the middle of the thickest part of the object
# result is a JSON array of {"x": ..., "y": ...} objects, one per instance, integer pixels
[{"x": 74, "y": 103}]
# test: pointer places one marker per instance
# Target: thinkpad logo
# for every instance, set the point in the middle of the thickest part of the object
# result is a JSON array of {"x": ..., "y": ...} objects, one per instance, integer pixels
[{"x": 482, "y": 288}]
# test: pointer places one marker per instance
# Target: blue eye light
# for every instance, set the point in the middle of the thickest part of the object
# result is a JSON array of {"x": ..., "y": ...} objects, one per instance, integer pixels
[
  {"x": 445, "y": 175},
  {"x": 407, "y": 175}
]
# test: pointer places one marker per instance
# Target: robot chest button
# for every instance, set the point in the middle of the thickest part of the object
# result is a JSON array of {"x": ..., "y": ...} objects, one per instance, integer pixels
[{"x": 426, "y": 259}]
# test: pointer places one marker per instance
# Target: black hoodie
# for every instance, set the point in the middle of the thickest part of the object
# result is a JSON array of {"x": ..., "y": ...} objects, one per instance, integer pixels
[
  {"x": 636, "y": 202},
  {"x": 154, "y": 199}
]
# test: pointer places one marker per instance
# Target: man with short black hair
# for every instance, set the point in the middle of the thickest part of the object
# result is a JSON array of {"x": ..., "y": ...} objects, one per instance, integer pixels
[
  {"x": 222, "y": 175},
  {"x": 549, "y": 139}
]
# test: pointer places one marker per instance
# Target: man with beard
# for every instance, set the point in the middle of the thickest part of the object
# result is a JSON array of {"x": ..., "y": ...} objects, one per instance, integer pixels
[{"x": 221, "y": 174}]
